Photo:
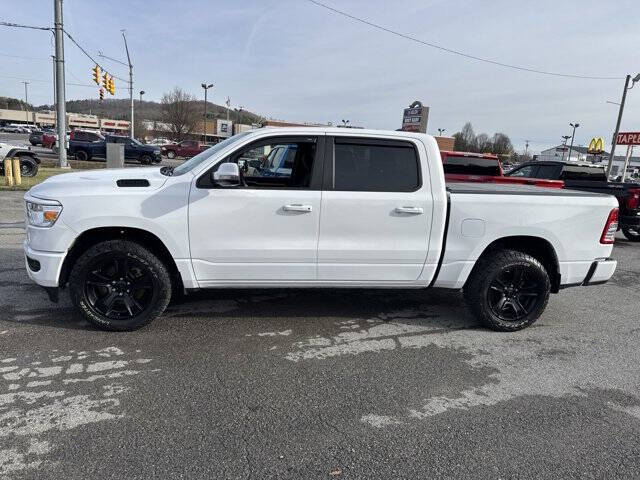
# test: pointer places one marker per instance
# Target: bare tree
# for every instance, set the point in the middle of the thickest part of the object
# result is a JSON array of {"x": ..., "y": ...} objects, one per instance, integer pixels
[{"x": 179, "y": 112}]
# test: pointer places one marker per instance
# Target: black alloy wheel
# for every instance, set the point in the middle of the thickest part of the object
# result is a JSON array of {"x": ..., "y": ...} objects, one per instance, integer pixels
[
  {"x": 514, "y": 293},
  {"x": 118, "y": 287}
]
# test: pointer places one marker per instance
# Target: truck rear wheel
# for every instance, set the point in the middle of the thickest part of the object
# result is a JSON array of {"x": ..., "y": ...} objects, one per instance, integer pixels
[
  {"x": 632, "y": 234},
  {"x": 507, "y": 290},
  {"x": 146, "y": 160},
  {"x": 171, "y": 154},
  {"x": 119, "y": 285}
]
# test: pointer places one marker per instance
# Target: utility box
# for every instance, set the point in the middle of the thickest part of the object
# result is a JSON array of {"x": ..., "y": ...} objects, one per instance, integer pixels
[{"x": 115, "y": 155}]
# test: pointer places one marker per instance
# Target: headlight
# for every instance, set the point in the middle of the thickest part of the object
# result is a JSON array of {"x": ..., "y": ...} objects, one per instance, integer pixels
[{"x": 43, "y": 214}]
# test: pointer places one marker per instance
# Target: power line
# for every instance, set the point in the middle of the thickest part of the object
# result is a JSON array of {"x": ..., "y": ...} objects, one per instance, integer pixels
[
  {"x": 25, "y": 58},
  {"x": 50, "y": 82},
  {"x": 90, "y": 57},
  {"x": 456, "y": 52}
]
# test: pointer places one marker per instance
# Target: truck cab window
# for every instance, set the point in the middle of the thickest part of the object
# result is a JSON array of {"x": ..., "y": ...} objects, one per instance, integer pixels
[
  {"x": 375, "y": 167},
  {"x": 277, "y": 164}
]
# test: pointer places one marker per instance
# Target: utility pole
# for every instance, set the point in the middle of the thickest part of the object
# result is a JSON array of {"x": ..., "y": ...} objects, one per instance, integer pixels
[
  {"x": 228, "y": 104},
  {"x": 614, "y": 140},
  {"x": 206, "y": 87},
  {"x": 126, "y": 47},
  {"x": 61, "y": 107},
  {"x": 574, "y": 125},
  {"x": 26, "y": 101}
]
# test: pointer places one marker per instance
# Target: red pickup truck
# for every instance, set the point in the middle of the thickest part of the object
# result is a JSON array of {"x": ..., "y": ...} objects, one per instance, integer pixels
[
  {"x": 484, "y": 168},
  {"x": 186, "y": 148}
]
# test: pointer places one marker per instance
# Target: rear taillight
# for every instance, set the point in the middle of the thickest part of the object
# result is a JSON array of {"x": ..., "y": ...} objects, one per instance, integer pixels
[
  {"x": 634, "y": 198},
  {"x": 610, "y": 228}
]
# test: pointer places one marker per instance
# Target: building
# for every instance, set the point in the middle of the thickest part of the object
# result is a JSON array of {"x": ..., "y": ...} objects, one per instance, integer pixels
[{"x": 74, "y": 120}]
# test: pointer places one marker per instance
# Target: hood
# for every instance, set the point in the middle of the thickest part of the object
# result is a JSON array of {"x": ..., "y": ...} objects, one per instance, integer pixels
[{"x": 99, "y": 182}]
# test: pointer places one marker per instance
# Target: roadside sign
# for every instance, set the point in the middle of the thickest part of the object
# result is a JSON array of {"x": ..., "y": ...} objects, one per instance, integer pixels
[
  {"x": 628, "y": 138},
  {"x": 596, "y": 145},
  {"x": 415, "y": 118}
]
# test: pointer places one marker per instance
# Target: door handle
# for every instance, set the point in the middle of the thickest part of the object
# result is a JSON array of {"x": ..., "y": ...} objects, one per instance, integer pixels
[
  {"x": 296, "y": 207},
  {"x": 410, "y": 210}
]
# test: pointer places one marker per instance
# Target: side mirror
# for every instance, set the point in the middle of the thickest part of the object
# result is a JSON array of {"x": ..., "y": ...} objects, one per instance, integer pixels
[{"x": 227, "y": 175}]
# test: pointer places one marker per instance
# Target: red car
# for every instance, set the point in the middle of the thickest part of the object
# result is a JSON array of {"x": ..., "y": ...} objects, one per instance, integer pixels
[
  {"x": 485, "y": 168},
  {"x": 186, "y": 148}
]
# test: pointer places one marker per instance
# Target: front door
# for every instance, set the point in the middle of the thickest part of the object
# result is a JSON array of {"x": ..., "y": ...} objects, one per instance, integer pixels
[
  {"x": 376, "y": 212},
  {"x": 266, "y": 229}
]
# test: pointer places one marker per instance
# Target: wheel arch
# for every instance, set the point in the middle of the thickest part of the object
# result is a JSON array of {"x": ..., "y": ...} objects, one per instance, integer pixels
[
  {"x": 538, "y": 247},
  {"x": 93, "y": 236}
]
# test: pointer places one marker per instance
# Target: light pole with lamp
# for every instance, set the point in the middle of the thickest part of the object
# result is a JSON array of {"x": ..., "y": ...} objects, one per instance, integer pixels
[
  {"x": 564, "y": 144},
  {"x": 441, "y": 131},
  {"x": 206, "y": 87},
  {"x": 574, "y": 125}
]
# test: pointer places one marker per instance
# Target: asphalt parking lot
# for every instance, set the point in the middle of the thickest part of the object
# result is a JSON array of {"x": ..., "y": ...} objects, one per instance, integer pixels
[{"x": 319, "y": 384}]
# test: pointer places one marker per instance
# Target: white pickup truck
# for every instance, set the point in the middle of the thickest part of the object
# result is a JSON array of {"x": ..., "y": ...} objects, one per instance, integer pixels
[{"x": 338, "y": 208}]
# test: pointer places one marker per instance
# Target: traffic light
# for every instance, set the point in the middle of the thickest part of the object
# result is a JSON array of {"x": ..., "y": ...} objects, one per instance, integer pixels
[
  {"x": 96, "y": 74},
  {"x": 105, "y": 80},
  {"x": 112, "y": 86},
  {"x": 101, "y": 93}
]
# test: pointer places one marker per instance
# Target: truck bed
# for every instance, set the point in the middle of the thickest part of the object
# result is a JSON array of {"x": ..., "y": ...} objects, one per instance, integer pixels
[{"x": 516, "y": 189}]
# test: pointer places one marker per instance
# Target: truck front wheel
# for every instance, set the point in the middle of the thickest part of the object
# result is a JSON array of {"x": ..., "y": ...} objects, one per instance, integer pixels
[
  {"x": 119, "y": 285},
  {"x": 82, "y": 156},
  {"x": 508, "y": 290}
]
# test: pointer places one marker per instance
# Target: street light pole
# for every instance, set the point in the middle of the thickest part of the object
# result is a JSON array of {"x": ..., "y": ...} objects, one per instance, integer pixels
[
  {"x": 126, "y": 47},
  {"x": 206, "y": 87},
  {"x": 26, "y": 101},
  {"x": 574, "y": 125},
  {"x": 142, "y": 92},
  {"x": 441, "y": 131},
  {"x": 526, "y": 147},
  {"x": 61, "y": 107},
  {"x": 564, "y": 145}
]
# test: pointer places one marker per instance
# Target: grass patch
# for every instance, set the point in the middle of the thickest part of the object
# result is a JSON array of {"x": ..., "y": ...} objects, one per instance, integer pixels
[{"x": 28, "y": 182}]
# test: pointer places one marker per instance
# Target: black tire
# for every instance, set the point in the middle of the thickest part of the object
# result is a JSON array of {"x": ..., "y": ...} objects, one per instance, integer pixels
[
  {"x": 28, "y": 166},
  {"x": 171, "y": 154},
  {"x": 503, "y": 299},
  {"x": 632, "y": 234},
  {"x": 146, "y": 159},
  {"x": 123, "y": 278},
  {"x": 82, "y": 156}
]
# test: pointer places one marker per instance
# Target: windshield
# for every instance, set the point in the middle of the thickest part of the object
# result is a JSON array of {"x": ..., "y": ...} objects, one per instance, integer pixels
[
  {"x": 206, "y": 154},
  {"x": 137, "y": 142}
]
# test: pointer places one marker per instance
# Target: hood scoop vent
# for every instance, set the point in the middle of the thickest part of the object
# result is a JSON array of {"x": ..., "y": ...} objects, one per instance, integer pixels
[{"x": 133, "y": 182}]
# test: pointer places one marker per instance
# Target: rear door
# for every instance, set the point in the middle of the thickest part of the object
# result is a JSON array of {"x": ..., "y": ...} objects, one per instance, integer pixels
[{"x": 376, "y": 211}]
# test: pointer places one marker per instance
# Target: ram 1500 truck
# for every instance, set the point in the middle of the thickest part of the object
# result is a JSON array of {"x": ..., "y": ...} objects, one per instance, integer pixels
[
  {"x": 590, "y": 178},
  {"x": 363, "y": 208}
]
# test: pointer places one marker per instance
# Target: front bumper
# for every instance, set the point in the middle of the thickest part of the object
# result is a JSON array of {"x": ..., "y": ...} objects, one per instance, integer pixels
[
  {"x": 601, "y": 270},
  {"x": 43, "y": 267}
]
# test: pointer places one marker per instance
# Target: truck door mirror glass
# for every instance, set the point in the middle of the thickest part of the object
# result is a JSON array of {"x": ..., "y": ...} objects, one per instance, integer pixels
[{"x": 227, "y": 175}]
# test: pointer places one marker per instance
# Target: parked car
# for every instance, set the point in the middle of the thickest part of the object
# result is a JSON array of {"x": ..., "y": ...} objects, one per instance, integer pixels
[
  {"x": 95, "y": 146},
  {"x": 13, "y": 128},
  {"x": 484, "y": 167},
  {"x": 361, "y": 208},
  {"x": 591, "y": 178},
  {"x": 159, "y": 142},
  {"x": 36, "y": 137},
  {"x": 186, "y": 148},
  {"x": 29, "y": 161}
]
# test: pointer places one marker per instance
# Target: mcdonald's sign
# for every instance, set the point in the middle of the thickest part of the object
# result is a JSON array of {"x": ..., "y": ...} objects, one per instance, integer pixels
[{"x": 596, "y": 145}]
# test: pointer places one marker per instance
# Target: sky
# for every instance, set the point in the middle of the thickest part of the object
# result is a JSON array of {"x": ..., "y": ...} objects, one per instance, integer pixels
[{"x": 293, "y": 60}]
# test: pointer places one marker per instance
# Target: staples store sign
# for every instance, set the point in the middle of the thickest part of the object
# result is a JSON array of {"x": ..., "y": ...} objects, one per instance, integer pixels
[{"x": 628, "y": 138}]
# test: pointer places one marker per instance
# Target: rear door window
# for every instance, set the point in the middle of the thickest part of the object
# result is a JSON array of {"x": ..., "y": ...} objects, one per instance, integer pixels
[
  {"x": 527, "y": 171},
  {"x": 548, "y": 172},
  {"x": 583, "y": 172},
  {"x": 460, "y": 164},
  {"x": 375, "y": 167}
]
